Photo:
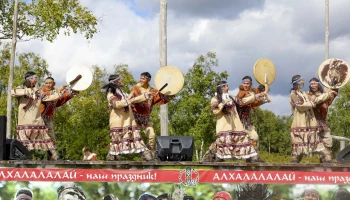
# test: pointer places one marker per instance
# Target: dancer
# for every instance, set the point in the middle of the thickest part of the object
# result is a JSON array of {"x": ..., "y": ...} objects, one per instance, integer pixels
[{"x": 125, "y": 136}]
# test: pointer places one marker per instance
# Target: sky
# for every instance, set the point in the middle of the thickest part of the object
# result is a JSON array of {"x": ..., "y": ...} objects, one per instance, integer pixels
[{"x": 290, "y": 33}]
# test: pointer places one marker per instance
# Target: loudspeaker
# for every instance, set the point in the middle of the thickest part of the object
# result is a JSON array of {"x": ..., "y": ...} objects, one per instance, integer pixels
[
  {"x": 10, "y": 149},
  {"x": 344, "y": 155},
  {"x": 174, "y": 148},
  {"x": 16, "y": 151}
]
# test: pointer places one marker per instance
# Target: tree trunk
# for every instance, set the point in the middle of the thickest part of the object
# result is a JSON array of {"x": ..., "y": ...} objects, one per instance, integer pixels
[
  {"x": 12, "y": 63},
  {"x": 327, "y": 31},
  {"x": 163, "y": 62}
]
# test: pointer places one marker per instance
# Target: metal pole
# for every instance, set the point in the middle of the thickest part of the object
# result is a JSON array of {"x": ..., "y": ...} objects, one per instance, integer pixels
[
  {"x": 12, "y": 63},
  {"x": 163, "y": 62},
  {"x": 327, "y": 31}
]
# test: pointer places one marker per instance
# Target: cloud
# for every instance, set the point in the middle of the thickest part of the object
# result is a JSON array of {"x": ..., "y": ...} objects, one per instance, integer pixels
[
  {"x": 226, "y": 9},
  {"x": 290, "y": 33}
]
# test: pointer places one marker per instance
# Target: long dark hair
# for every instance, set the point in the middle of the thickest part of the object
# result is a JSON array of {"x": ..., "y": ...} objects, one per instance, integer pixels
[
  {"x": 26, "y": 82},
  {"x": 226, "y": 109},
  {"x": 320, "y": 88},
  {"x": 112, "y": 87},
  {"x": 219, "y": 87},
  {"x": 295, "y": 82}
]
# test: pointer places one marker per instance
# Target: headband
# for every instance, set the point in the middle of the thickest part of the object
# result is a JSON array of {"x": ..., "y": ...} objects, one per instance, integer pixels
[
  {"x": 314, "y": 82},
  {"x": 32, "y": 76},
  {"x": 246, "y": 81},
  {"x": 221, "y": 85},
  {"x": 299, "y": 79},
  {"x": 111, "y": 81}
]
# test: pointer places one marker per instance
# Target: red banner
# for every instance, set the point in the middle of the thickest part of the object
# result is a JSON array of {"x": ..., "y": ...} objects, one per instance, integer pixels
[{"x": 187, "y": 176}]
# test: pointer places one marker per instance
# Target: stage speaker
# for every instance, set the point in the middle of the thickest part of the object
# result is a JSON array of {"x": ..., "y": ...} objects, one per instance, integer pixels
[
  {"x": 10, "y": 149},
  {"x": 344, "y": 155},
  {"x": 174, "y": 148}
]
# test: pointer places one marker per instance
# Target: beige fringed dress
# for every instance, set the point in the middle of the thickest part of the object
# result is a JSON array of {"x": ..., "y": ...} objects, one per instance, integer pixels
[
  {"x": 125, "y": 136},
  {"x": 304, "y": 129},
  {"x": 231, "y": 138},
  {"x": 31, "y": 129}
]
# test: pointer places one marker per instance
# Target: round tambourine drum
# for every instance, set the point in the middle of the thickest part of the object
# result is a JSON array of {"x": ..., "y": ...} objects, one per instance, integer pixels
[
  {"x": 334, "y": 73},
  {"x": 264, "y": 71},
  {"x": 169, "y": 80},
  {"x": 82, "y": 75}
]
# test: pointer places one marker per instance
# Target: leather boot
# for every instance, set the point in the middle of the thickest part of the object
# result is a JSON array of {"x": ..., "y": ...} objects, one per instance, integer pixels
[
  {"x": 147, "y": 155},
  {"x": 54, "y": 155},
  {"x": 296, "y": 158},
  {"x": 111, "y": 157},
  {"x": 326, "y": 155},
  {"x": 210, "y": 155}
]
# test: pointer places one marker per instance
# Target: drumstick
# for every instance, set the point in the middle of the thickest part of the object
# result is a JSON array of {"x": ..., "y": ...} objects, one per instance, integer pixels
[
  {"x": 75, "y": 80},
  {"x": 166, "y": 84}
]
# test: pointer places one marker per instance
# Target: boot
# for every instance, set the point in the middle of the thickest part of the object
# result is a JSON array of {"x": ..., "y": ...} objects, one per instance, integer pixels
[
  {"x": 111, "y": 157},
  {"x": 147, "y": 156},
  {"x": 254, "y": 159},
  {"x": 210, "y": 155},
  {"x": 54, "y": 155},
  {"x": 326, "y": 155},
  {"x": 296, "y": 158}
]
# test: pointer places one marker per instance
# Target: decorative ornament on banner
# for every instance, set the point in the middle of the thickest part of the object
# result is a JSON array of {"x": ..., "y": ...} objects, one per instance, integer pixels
[
  {"x": 169, "y": 80},
  {"x": 79, "y": 78},
  {"x": 334, "y": 73},
  {"x": 264, "y": 71}
]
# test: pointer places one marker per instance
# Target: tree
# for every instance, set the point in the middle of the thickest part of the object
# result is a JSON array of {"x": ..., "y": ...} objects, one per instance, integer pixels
[
  {"x": 85, "y": 120},
  {"x": 26, "y": 62},
  {"x": 45, "y": 19},
  {"x": 339, "y": 115},
  {"x": 189, "y": 112}
]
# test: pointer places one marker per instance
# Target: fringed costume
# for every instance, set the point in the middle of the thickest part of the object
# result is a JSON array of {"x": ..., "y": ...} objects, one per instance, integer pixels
[
  {"x": 143, "y": 110},
  {"x": 231, "y": 138},
  {"x": 31, "y": 130},
  {"x": 320, "y": 111},
  {"x": 126, "y": 137},
  {"x": 47, "y": 109},
  {"x": 304, "y": 130},
  {"x": 248, "y": 100}
]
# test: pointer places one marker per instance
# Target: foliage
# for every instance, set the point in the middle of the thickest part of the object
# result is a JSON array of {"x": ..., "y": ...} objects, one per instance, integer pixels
[
  {"x": 339, "y": 115},
  {"x": 273, "y": 131},
  {"x": 45, "y": 19},
  {"x": 26, "y": 62},
  {"x": 189, "y": 112}
]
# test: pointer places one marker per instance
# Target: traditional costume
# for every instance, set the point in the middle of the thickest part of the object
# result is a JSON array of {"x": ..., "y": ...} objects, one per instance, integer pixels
[
  {"x": 304, "y": 128},
  {"x": 320, "y": 111},
  {"x": 143, "y": 110},
  {"x": 231, "y": 138},
  {"x": 31, "y": 130},
  {"x": 125, "y": 136},
  {"x": 248, "y": 100},
  {"x": 47, "y": 109}
]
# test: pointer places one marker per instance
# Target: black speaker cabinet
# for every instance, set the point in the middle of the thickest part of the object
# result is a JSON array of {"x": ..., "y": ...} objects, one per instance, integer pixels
[
  {"x": 10, "y": 149},
  {"x": 174, "y": 148},
  {"x": 16, "y": 151},
  {"x": 344, "y": 155}
]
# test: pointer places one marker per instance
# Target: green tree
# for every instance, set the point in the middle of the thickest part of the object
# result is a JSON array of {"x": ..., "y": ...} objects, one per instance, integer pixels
[
  {"x": 189, "y": 111},
  {"x": 339, "y": 115},
  {"x": 45, "y": 19},
  {"x": 273, "y": 131},
  {"x": 25, "y": 62},
  {"x": 85, "y": 119}
]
